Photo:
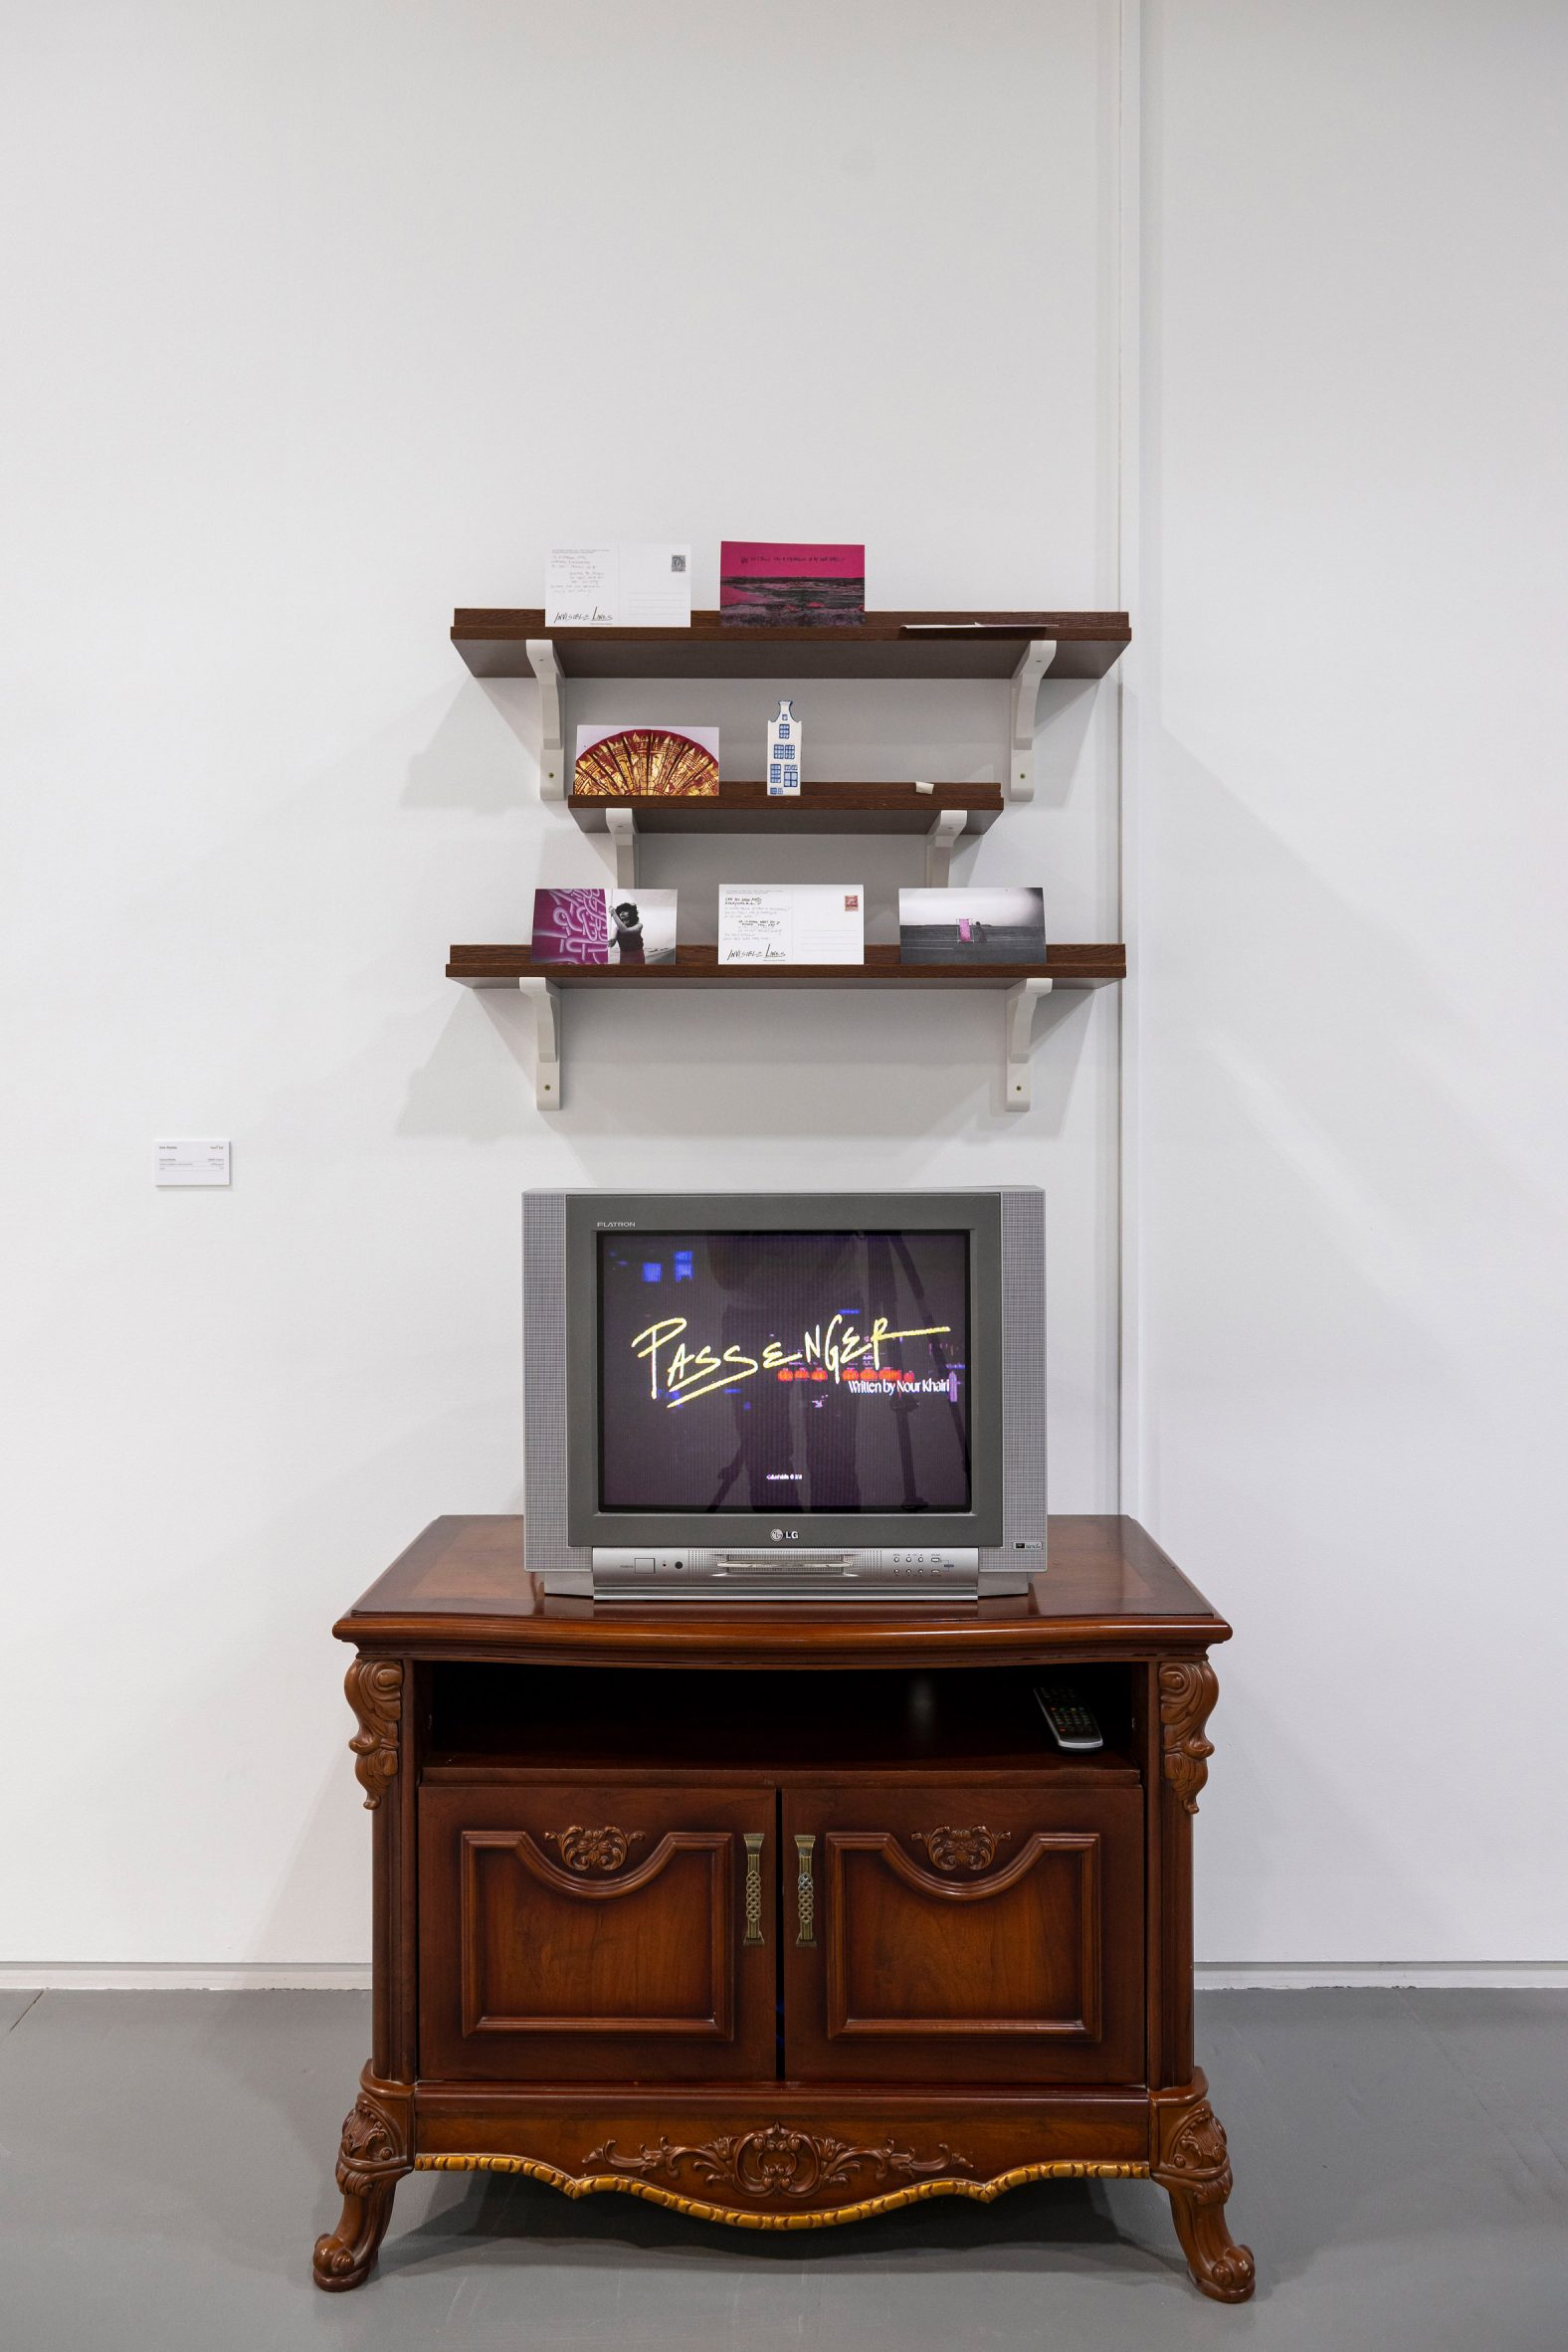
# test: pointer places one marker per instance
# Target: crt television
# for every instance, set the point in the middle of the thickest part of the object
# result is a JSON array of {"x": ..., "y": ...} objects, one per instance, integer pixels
[{"x": 784, "y": 1395}]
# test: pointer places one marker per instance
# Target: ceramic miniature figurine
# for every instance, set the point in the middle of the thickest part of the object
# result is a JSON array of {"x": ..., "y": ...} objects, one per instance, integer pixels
[{"x": 783, "y": 766}]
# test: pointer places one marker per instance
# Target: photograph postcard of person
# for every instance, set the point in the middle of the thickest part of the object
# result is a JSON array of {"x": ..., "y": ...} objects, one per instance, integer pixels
[
  {"x": 604, "y": 927},
  {"x": 972, "y": 927},
  {"x": 786, "y": 584},
  {"x": 645, "y": 763}
]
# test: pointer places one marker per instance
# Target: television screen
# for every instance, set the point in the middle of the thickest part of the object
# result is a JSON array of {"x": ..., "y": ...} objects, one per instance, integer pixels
[{"x": 784, "y": 1372}]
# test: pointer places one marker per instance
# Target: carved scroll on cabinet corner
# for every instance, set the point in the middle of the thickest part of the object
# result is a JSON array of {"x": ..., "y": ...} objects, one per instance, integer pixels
[
  {"x": 1188, "y": 1690},
  {"x": 374, "y": 1686}
]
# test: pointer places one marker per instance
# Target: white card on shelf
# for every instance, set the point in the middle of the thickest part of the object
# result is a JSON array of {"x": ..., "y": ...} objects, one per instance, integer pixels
[
  {"x": 792, "y": 924},
  {"x": 620, "y": 584},
  {"x": 200, "y": 1162}
]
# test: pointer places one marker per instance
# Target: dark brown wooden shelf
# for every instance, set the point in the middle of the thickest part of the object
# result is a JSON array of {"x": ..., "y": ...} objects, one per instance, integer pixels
[
  {"x": 698, "y": 966},
  {"x": 494, "y": 642},
  {"x": 820, "y": 808}
]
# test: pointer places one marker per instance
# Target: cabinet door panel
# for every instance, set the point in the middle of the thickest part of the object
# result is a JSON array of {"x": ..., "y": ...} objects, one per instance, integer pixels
[
  {"x": 584, "y": 1932},
  {"x": 976, "y": 1933}
]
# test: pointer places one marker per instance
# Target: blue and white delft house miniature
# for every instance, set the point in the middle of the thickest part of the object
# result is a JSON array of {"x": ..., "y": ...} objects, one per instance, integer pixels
[{"x": 783, "y": 768}]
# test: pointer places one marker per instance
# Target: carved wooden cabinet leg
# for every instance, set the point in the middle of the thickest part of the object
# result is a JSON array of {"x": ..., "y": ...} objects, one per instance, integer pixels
[
  {"x": 372, "y": 2159},
  {"x": 1191, "y": 2165}
]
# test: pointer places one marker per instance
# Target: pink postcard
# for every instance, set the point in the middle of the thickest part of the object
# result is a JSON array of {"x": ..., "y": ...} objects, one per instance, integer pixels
[{"x": 782, "y": 584}]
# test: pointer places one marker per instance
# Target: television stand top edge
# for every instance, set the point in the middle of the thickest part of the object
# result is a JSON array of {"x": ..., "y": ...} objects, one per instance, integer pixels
[{"x": 463, "y": 1585}]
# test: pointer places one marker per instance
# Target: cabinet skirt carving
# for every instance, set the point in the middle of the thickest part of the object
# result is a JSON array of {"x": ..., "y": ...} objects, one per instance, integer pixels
[{"x": 756, "y": 2217}]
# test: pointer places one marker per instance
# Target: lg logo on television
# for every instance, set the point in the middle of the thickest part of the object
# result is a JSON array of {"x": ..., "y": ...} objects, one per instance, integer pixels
[{"x": 786, "y": 1535}]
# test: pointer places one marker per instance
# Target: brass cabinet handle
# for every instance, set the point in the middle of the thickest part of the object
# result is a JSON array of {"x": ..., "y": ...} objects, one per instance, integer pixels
[
  {"x": 754, "y": 1840},
  {"x": 805, "y": 1892}
]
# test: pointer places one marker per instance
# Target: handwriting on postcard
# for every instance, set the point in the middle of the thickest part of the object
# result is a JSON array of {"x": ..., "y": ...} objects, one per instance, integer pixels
[{"x": 582, "y": 587}]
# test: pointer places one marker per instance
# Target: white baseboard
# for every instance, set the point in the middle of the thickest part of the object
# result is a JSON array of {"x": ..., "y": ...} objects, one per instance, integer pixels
[
  {"x": 350, "y": 1976},
  {"x": 221, "y": 1975},
  {"x": 1289, "y": 1976}
]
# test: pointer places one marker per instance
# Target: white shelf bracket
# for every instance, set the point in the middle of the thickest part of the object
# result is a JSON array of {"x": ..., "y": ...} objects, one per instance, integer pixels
[
  {"x": 552, "y": 713},
  {"x": 939, "y": 843},
  {"x": 1019, "y": 1015},
  {"x": 547, "y": 1041},
  {"x": 623, "y": 833},
  {"x": 1039, "y": 654}
]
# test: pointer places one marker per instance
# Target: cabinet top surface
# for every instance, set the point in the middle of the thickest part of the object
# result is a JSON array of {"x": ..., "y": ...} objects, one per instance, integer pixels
[{"x": 463, "y": 1584}]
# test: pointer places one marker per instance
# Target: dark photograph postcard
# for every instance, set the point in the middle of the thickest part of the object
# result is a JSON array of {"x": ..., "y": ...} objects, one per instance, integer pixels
[{"x": 972, "y": 927}]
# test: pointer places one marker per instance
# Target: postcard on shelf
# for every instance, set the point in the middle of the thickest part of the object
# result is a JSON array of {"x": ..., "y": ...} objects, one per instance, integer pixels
[
  {"x": 653, "y": 762},
  {"x": 972, "y": 927},
  {"x": 780, "y": 584},
  {"x": 792, "y": 924},
  {"x": 626, "y": 584},
  {"x": 604, "y": 927}
]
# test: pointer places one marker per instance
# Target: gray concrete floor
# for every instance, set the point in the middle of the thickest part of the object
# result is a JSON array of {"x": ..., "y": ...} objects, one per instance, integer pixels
[{"x": 1400, "y": 2163}]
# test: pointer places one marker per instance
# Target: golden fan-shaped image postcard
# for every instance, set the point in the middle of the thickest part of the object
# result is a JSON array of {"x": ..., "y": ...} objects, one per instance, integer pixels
[{"x": 645, "y": 763}]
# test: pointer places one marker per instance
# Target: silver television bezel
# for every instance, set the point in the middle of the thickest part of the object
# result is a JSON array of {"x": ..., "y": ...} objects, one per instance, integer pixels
[{"x": 590, "y": 1214}]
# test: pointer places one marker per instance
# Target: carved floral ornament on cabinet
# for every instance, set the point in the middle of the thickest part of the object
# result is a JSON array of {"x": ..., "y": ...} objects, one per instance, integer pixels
[
  {"x": 961, "y": 1850},
  {"x": 593, "y": 1849}
]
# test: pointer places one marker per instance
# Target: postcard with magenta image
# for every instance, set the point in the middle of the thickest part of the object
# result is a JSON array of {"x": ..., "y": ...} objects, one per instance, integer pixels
[
  {"x": 790, "y": 584},
  {"x": 604, "y": 927},
  {"x": 972, "y": 925}
]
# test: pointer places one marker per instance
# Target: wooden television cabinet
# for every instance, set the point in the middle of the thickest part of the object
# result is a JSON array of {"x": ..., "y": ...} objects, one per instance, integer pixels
[{"x": 781, "y": 1916}]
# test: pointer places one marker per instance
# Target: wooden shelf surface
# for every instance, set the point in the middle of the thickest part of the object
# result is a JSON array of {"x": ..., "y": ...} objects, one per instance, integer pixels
[
  {"x": 820, "y": 808},
  {"x": 698, "y": 966},
  {"x": 494, "y": 642}
]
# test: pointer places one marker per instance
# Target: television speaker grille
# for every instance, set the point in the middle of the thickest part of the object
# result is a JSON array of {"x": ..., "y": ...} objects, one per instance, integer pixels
[
  {"x": 545, "y": 1385},
  {"x": 1024, "y": 1380}
]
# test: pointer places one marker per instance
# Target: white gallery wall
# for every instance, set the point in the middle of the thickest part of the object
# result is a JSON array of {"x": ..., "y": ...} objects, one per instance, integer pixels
[
  {"x": 323, "y": 322},
  {"x": 1352, "y": 1352}
]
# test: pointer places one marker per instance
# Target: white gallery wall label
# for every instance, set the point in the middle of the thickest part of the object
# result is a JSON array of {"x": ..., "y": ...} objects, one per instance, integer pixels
[{"x": 201, "y": 1162}]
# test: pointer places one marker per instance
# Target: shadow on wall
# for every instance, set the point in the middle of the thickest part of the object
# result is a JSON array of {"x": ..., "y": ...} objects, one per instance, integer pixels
[
  {"x": 1320, "y": 1075},
  {"x": 468, "y": 764},
  {"x": 859, "y": 733},
  {"x": 1066, "y": 704},
  {"x": 862, "y": 731},
  {"x": 1331, "y": 1232},
  {"x": 791, "y": 1063},
  {"x": 729, "y": 1065}
]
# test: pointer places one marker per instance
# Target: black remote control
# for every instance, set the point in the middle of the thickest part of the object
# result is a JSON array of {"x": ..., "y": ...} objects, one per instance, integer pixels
[{"x": 1072, "y": 1725}]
